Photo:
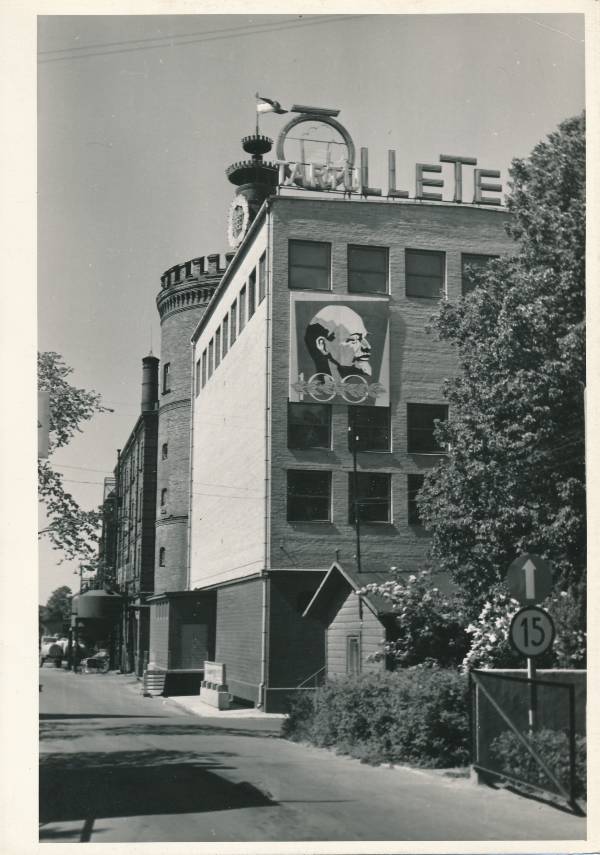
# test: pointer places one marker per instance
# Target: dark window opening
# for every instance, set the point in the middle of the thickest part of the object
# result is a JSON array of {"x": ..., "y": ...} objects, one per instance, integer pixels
[
  {"x": 261, "y": 277},
  {"x": 163, "y": 497},
  {"x": 166, "y": 386},
  {"x": 251, "y": 294},
  {"x": 353, "y": 655},
  {"x": 204, "y": 364},
  {"x": 225, "y": 335},
  {"x": 369, "y": 428},
  {"x": 421, "y": 419},
  {"x": 308, "y": 496},
  {"x": 309, "y": 426},
  {"x": 217, "y": 347},
  {"x": 242, "y": 317},
  {"x": 309, "y": 265},
  {"x": 472, "y": 265},
  {"x": 424, "y": 273},
  {"x": 415, "y": 482},
  {"x": 233, "y": 324},
  {"x": 368, "y": 269},
  {"x": 161, "y": 556},
  {"x": 198, "y": 376},
  {"x": 211, "y": 356},
  {"x": 165, "y": 450},
  {"x": 372, "y": 501}
]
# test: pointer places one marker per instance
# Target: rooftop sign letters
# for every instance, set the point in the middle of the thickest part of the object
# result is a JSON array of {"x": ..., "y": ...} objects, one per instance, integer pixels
[{"x": 315, "y": 152}]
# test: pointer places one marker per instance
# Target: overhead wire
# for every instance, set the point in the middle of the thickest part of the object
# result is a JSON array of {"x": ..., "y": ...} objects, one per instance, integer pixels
[{"x": 182, "y": 40}]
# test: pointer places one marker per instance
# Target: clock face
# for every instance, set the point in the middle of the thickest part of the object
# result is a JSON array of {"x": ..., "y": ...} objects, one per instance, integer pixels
[{"x": 239, "y": 220}]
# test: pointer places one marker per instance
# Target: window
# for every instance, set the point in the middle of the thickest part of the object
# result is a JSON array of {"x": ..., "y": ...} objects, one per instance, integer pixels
[
  {"x": 204, "y": 364},
  {"x": 415, "y": 482},
  {"x": 233, "y": 323},
  {"x": 420, "y": 421},
  {"x": 424, "y": 273},
  {"x": 217, "y": 347},
  {"x": 261, "y": 277},
  {"x": 165, "y": 450},
  {"x": 368, "y": 269},
  {"x": 161, "y": 556},
  {"x": 242, "y": 317},
  {"x": 372, "y": 427},
  {"x": 166, "y": 385},
  {"x": 308, "y": 496},
  {"x": 198, "y": 376},
  {"x": 471, "y": 266},
  {"x": 352, "y": 655},
  {"x": 211, "y": 355},
  {"x": 251, "y": 294},
  {"x": 373, "y": 499},
  {"x": 225, "y": 335},
  {"x": 309, "y": 426},
  {"x": 163, "y": 497},
  {"x": 309, "y": 265}
]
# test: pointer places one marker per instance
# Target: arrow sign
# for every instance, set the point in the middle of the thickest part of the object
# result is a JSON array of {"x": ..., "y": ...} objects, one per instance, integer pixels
[{"x": 529, "y": 578}]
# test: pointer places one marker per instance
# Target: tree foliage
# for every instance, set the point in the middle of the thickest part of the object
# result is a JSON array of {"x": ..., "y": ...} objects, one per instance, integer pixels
[
  {"x": 58, "y": 606},
  {"x": 70, "y": 529},
  {"x": 514, "y": 476}
]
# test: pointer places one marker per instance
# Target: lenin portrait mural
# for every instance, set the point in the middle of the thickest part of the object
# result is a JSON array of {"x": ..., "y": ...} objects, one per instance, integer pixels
[{"x": 339, "y": 349}]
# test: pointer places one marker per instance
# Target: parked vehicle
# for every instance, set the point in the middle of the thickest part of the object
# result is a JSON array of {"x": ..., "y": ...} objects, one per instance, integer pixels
[
  {"x": 99, "y": 662},
  {"x": 50, "y": 650}
]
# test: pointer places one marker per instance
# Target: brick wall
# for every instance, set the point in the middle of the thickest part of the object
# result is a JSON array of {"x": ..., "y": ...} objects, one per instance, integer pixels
[{"x": 418, "y": 365}]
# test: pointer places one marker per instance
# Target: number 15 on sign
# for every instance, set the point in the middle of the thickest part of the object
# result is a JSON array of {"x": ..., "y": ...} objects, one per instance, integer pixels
[{"x": 532, "y": 631}]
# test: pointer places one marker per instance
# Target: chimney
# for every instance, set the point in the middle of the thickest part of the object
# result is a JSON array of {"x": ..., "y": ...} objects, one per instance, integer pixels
[{"x": 149, "y": 384}]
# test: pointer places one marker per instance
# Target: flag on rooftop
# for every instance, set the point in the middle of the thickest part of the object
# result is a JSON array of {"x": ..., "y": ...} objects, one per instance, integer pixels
[{"x": 267, "y": 105}]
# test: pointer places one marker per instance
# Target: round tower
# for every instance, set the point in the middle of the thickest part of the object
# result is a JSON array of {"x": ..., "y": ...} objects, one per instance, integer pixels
[{"x": 186, "y": 290}]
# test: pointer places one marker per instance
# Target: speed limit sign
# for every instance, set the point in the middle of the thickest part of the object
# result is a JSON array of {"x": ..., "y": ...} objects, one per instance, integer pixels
[{"x": 532, "y": 631}]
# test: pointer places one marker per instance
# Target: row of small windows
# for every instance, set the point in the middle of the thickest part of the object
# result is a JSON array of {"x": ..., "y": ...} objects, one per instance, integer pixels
[
  {"x": 368, "y": 269},
  {"x": 369, "y": 497},
  {"x": 242, "y": 309},
  {"x": 369, "y": 428}
]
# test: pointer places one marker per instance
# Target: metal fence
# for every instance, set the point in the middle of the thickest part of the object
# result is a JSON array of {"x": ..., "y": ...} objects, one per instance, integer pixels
[{"x": 524, "y": 732}]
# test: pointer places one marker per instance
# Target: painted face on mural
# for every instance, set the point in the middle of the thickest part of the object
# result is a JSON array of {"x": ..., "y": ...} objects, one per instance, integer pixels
[{"x": 337, "y": 339}]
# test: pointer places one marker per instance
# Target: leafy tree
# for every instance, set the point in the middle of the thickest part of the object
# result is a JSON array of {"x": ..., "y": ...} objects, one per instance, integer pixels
[
  {"x": 58, "y": 606},
  {"x": 429, "y": 624},
  {"x": 514, "y": 476},
  {"x": 70, "y": 528}
]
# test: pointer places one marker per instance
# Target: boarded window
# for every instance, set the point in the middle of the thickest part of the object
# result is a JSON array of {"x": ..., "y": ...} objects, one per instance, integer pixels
[
  {"x": 309, "y": 265},
  {"x": 372, "y": 498},
  {"x": 425, "y": 273},
  {"x": 309, "y": 426},
  {"x": 421, "y": 419},
  {"x": 308, "y": 496},
  {"x": 368, "y": 269}
]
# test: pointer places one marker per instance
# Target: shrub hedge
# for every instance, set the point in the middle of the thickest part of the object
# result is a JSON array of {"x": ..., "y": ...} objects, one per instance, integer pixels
[
  {"x": 553, "y": 747},
  {"x": 417, "y": 716}
]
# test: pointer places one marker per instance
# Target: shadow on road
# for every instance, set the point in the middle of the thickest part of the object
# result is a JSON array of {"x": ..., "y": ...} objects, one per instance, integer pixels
[
  {"x": 89, "y": 785},
  {"x": 65, "y": 729}
]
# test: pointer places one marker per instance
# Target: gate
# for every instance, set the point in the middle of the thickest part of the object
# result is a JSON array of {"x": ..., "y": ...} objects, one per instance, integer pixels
[{"x": 523, "y": 731}]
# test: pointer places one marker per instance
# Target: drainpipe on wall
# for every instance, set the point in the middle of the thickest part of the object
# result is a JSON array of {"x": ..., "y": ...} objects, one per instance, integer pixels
[
  {"x": 190, "y": 472},
  {"x": 267, "y": 550}
]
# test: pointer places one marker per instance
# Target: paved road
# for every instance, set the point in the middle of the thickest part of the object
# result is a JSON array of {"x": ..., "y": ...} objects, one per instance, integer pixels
[{"x": 119, "y": 767}]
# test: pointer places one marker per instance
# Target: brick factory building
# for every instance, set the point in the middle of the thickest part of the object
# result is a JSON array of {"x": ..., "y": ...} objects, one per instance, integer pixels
[{"x": 295, "y": 431}]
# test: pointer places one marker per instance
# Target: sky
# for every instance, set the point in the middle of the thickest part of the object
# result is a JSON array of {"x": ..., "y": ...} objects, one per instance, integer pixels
[{"x": 139, "y": 116}]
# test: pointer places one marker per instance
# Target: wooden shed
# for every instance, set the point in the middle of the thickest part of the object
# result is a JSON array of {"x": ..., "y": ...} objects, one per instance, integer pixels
[{"x": 355, "y": 626}]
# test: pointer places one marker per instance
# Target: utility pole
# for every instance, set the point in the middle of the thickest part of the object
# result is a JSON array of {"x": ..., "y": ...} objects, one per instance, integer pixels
[{"x": 354, "y": 439}]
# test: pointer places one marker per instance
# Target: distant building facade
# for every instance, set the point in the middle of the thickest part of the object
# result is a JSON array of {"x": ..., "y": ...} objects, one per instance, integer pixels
[{"x": 135, "y": 477}]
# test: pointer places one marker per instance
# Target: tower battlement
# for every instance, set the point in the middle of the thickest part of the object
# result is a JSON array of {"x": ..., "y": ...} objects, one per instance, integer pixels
[
  {"x": 191, "y": 284},
  {"x": 196, "y": 268}
]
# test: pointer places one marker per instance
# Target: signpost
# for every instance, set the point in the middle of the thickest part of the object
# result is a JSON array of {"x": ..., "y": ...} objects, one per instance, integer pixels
[{"x": 529, "y": 580}]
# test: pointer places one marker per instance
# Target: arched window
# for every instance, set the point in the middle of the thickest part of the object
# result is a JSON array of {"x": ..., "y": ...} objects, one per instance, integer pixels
[{"x": 161, "y": 556}]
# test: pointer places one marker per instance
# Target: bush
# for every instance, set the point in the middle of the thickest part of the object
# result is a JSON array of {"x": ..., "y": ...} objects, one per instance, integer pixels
[
  {"x": 553, "y": 747},
  {"x": 417, "y": 716}
]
